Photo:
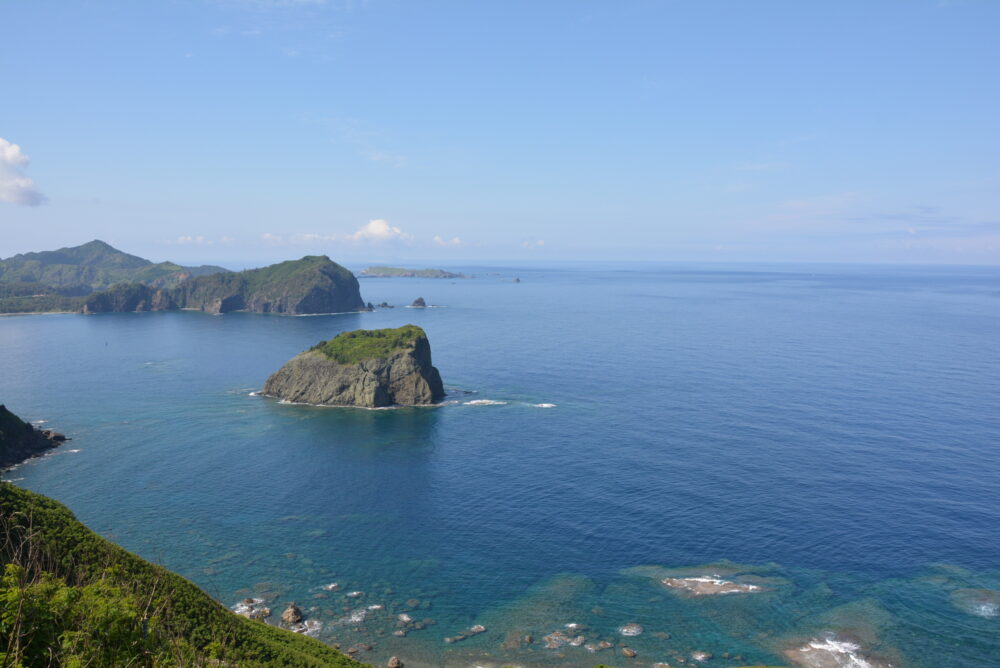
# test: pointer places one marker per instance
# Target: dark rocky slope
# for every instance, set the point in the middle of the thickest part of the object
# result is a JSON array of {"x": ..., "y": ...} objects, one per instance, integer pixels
[
  {"x": 19, "y": 440},
  {"x": 126, "y": 297},
  {"x": 314, "y": 284},
  {"x": 368, "y": 368}
]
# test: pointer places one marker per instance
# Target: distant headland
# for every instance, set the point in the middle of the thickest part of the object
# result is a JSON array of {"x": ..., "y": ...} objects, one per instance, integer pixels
[
  {"x": 97, "y": 278},
  {"x": 400, "y": 272}
]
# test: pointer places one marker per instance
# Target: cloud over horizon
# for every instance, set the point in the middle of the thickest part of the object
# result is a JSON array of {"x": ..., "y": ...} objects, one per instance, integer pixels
[
  {"x": 15, "y": 187},
  {"x": 379, "y": 231}
]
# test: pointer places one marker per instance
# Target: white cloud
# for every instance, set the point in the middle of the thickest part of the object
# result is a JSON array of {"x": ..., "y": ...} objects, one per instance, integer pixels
[
  {"x": 193, "y": 240},
  {"x": 272, "y": 238},
  {"x": 538, "y": 243},
  {"x": 379, "y": 231},
  {"x": 441, "y": 241},
  {"x": 15, "y": 187}
]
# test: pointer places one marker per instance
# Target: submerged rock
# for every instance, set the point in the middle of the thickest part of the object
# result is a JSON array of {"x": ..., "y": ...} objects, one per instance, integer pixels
[
  {"x": 631, "y": 630},
  {"x": 367, "y": 368},
  {"x": 833, "y": 651},
  {"x": 709, "y": 586}
]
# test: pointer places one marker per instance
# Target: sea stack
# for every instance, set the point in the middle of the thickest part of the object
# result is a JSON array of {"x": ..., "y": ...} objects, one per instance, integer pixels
[{"x": 367, "y": 368}]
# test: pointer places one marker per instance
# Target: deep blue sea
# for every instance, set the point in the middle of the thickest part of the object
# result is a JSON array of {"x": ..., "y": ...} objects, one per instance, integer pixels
[{"x": 830, "y": 434}]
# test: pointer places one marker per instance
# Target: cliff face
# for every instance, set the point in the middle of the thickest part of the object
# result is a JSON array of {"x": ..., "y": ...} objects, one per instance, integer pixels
[
  {"x": 128, "y": 297},
  {"x": 314, "y": 284},
  {"x": 363, "y": 368},
  {"x": 19, "y": 440}
]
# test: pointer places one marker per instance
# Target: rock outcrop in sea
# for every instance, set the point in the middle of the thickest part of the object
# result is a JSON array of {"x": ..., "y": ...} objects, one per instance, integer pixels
[
  {"x": 367, "y": 368},
  {"x": 19, "y": 440}
]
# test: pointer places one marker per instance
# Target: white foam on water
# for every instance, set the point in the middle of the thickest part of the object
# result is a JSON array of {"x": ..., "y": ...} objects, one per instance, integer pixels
[
  {"x": 310, "y": 627},
  {"x": 355, "y": 617},
  {"x": 73, "y": 451},
  {"x": 244, "y": 609},
  {"x": 630, "y": 630},
  {"x": 988, "y": 610},
  {"x": 485, "y": 402},
  {"x": 846, "y": 654},
  {"x": 544, "y": 405},
  {"x": 255, "y": 393},
  {"x": 39, "y": 421}
]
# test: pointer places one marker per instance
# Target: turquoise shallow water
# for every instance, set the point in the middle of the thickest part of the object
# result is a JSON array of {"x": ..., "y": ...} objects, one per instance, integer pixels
[{"x": 828, "y": 433}]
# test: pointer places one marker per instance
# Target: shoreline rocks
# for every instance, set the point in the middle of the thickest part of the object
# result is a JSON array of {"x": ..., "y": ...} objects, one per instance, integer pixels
[{"x": 20, "y": 440}]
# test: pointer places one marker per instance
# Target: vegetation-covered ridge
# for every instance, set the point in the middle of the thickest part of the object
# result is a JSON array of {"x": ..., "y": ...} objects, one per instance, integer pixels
[
  {"x": 400, "y": 272},
  {"x": 93, "y": 266},
  {"x": 313, "y": 284},
  {"x": 71, "y": 598},
  {"x": 362, "y": 344}
]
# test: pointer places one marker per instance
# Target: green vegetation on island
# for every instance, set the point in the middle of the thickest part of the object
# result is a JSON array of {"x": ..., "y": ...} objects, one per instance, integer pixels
[
  {"x": 399, "y": 272},
  {"x": 314, "y": 284},
  {"x": 18, "y": 297},
  {"x": 68, "y": 597},
  {"x": 362, "y": 344}
]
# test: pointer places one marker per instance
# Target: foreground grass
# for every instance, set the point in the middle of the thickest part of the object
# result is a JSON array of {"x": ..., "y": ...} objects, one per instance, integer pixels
[{"x": 71, "y": 598}]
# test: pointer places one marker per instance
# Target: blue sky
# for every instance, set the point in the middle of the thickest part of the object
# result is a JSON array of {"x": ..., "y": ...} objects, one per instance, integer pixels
[{"x": 237, "y": 130}]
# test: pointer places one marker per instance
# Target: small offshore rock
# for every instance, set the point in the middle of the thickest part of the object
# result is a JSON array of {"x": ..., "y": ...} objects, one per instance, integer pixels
[
  {"x": 394, "y": 662},
  {"x": 355, "y": 594},
  {"x": 631, "y": 629},
  {"x": 629, "y": 652},
  {"x": 405, "y": 618},
  {"x": 478, "y": 628},
  {"x": 418, "y": 303},
  {"x": 401, "y": 633},
  {"x": 701, "y": 656},
  {"x": 292, "y": 614}
]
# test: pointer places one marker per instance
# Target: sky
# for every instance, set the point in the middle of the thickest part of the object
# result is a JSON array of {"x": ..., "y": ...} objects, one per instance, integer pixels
[{"x": 234, "y": 131}]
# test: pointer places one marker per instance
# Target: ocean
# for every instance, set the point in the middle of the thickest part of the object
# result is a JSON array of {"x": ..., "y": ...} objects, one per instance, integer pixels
[{"x": 824, "y": 437}]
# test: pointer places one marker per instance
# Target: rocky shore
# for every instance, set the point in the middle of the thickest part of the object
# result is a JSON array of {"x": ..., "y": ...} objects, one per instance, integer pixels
[{"x": 19, "y": 440}]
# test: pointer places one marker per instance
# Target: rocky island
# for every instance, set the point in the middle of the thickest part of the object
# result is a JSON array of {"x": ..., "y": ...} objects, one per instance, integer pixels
[{"x": 366, "y": 368}]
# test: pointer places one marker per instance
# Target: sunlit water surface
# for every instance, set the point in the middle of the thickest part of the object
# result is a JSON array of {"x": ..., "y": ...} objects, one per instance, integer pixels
[{"x": 831, "y": 434}]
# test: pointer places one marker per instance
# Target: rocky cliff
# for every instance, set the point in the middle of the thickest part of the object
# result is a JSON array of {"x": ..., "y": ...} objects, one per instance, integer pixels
[
  {"x": 129, "y": 297},
  {"x": 368, "y": 368},
  {"x": 314, "y": 284},
  {"x": 19, "y": 440}
]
